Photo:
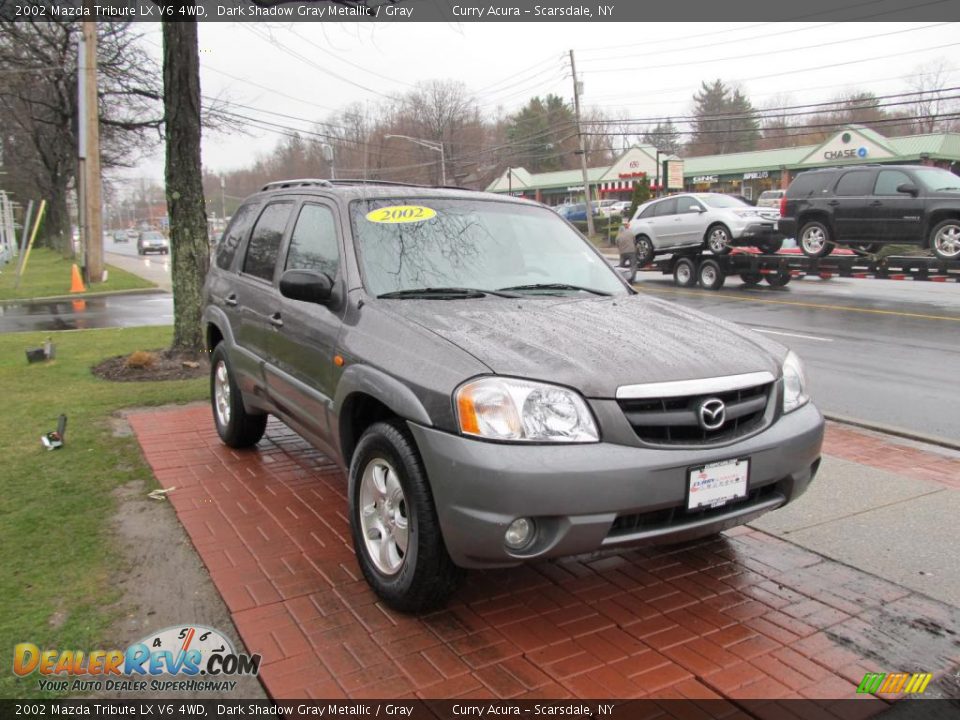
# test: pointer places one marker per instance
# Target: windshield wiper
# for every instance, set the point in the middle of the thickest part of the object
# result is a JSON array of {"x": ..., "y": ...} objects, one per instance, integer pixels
[
  {"x": 441, "y": 292},
  {"x": 556, "y": 286}
]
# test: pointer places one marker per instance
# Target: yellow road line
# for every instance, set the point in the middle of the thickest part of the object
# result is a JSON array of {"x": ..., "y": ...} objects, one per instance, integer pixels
[{"x": 819, "y": 306}]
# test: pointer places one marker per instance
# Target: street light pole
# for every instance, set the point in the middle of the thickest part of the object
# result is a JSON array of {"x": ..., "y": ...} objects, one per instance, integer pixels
[{"x": 435, "y": 146}]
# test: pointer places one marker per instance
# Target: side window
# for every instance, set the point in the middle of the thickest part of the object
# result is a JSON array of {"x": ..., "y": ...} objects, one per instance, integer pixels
[
  {"x": 236, "y": 231},
  {"x": 686, "y": 205},
  {"x": 889, "y": 180},
  {"x": 649, "y": 211},
  {"x": 667, "y": 207},
  {"x": 856, "y": 182},
  {"x": 264, "y": 244},
  {"x": 313, "y": 245}
]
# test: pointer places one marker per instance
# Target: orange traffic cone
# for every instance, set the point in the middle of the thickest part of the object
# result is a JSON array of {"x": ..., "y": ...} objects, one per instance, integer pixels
[{"x": 76, "y": 284}]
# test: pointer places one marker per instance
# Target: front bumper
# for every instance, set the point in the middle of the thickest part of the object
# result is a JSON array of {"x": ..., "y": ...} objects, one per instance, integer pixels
[
  {"x": 765, "y": 230},
  {"x": 576, "y": 493}
]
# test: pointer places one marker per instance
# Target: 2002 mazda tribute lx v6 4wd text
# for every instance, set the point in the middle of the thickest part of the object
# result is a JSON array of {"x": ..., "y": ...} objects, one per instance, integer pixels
[{"x": 494, "y": 389}]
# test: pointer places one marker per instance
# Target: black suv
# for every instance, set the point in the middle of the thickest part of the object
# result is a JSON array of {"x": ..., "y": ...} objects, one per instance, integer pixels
[{"x": 868, "y": 205}]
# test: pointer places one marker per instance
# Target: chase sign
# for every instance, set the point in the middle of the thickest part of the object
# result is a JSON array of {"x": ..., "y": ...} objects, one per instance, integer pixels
[{"x": 848, "y": 154}]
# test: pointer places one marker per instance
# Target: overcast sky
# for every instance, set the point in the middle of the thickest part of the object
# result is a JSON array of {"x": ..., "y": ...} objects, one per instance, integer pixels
[{"x": 645, "y": 69}]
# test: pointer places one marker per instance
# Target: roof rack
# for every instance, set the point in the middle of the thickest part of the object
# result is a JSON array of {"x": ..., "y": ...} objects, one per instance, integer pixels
[
  {"x": 302, "y": 182},
  {"x": 319, "y": 182}
]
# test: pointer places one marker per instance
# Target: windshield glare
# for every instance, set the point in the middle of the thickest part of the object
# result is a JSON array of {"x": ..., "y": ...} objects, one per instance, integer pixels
[
  {"x": 485, "y": 245},
  {"x": 723, "y": 201},
  {"x": 934, "y": 179}
]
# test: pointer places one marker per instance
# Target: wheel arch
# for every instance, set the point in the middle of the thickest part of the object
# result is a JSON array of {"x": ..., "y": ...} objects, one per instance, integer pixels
[
  {"x": 365, "y": 396},
  {"x": 814, "y": 216}
]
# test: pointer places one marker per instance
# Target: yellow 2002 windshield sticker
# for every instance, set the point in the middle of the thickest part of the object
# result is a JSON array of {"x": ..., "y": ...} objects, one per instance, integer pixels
[{"x": 401, "y": 214}]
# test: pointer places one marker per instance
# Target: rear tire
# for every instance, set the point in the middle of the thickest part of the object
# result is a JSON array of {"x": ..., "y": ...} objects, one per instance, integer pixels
[
  {"x": 685, "y": 273},
  {"x": 815, "y": 240},
  {"x": 751, "y": 278},
  {"x": 394, "y": 525},
  {"x": 781, "y": 279},
  {"x": 945, "y": 239},
  {"x": 645, "y": 252},
  {"x": 237, "y": 428},
  {"x": 770, "y": 247},
  {"x": 711, "y": 275}
]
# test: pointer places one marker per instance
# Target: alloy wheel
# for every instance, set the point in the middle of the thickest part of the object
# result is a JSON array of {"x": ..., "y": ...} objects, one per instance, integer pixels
[{"x": 383, "y": 516}]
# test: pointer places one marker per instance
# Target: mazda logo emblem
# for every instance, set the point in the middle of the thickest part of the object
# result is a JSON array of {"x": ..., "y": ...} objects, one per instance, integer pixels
[{"x": 712, "y": 413}]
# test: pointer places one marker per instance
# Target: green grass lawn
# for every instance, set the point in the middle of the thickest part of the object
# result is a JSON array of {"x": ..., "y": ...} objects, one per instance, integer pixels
[
  {"x": 48, "y": 274},
  {"x": 55, "y": 506}
]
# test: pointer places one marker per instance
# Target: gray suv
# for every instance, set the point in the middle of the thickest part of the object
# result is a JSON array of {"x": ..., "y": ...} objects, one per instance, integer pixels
[{"x": 494, "y": 390}]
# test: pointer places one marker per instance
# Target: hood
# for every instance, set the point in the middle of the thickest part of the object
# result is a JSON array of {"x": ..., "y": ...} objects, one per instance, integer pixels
[{"x": 593, "y": 344}]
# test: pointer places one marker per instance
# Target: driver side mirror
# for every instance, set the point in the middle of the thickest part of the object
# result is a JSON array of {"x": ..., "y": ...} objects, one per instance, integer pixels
[
  {"x": 306, "y": 285},
  {"x": 908, "y": 189}
]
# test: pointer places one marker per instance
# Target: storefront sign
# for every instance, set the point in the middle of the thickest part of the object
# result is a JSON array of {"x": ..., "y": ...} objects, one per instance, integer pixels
[
  {"x": 705, "y": 179},
  {"x": 625, "y": 176},
  {"x": 675, "y": 174},
  {"x": 575, "y": 188},
  {"x": 860, "y": 152},
  {"x": 756, "y": 175}
]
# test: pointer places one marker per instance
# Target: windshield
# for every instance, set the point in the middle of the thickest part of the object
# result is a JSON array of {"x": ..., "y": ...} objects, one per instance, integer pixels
[
  {"x": 415, "y": 243},
  {"x": 152, "y": 236},
  {"x": 934, "y": 179},
  {"x": 722, "y": 201}
]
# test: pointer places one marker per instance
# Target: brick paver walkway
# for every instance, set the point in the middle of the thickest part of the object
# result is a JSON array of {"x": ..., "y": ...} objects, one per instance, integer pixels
[{"x": 744, "y": 616}]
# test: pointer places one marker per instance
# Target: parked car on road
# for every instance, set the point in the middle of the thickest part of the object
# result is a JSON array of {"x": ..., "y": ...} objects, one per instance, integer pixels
[
  {"x": 770, "y": 198},
  {"x": 120, "y": 236},
  {"x": 494, "y": 390},
  {"x": 866, "y": 206},
  {"x": 693, "y": 221},
  {"x": 152, "y": 241},
  {"x": 620, "y": 207},
  {"x": 576, "y": 212}
]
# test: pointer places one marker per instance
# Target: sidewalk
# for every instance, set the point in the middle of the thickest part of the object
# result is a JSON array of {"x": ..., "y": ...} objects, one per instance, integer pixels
[{"x": 795, "y": 607}]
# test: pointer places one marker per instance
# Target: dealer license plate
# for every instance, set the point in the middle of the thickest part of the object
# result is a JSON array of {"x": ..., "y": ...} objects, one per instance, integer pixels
[{"x": 718, "y": 483}]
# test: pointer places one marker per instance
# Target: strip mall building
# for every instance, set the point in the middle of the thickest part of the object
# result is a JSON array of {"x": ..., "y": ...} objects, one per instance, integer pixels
[{"x": 747, "y": 173}]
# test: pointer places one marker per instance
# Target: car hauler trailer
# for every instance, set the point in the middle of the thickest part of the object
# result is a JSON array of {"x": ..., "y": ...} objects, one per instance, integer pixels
[{"x": 711, "y": 271}]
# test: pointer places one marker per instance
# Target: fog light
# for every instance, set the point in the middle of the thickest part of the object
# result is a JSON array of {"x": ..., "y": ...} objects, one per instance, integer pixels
[{"x": 519, "y": 533}]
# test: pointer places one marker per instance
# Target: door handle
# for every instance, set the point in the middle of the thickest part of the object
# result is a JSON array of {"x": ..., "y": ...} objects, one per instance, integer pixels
[
  {"x": 231, "y": 300},
  {"x": 276, "y": 320},
  {"x": 876, "y": 203},
  {"x": 834, "y": 203}
]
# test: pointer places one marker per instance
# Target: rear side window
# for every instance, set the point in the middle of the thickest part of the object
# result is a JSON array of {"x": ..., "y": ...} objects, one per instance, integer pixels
[
  {"x": 889, "y": 180},
  {"x": 855, "y": 183},
  {"x": 667, "y": 207},
  {"x": 648, "y": 212},
  {"x": 264, "y": 244},
  {"x": 313, "y": 245},
  {"x": 234, "y": 234},
  {"x": 806, "y": 184}
]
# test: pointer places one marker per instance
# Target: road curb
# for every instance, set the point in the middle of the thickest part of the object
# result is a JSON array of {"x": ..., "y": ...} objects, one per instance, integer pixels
[
  {"x": 895, "y": 431},
  {"x": 84, "y": 296}
]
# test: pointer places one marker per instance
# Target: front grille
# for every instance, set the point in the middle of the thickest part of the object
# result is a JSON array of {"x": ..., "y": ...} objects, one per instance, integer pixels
[
  {"x": 675, "y": 420},
  {"x": 678, "y": 515}
]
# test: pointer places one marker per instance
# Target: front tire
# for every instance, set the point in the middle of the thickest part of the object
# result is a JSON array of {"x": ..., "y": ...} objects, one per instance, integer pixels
[
  {"x": 945, "y": 239},
  {"x": 237, "y": 428},
  {"x": 717, "y": 239},
  {"x": 779, "y": 279},
  {"x": 396, "y": 534},
  {"x": 685, "y": 273},
  {"x": 815, "y": 240},
  {"x": 748, "y": 277}
]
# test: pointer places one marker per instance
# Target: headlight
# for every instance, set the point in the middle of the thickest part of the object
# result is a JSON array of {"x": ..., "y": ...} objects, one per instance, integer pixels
[
  {"x": 521, "y": 411},
  {"x": 746, "y": 213},
  {"x": 794, "y": 384}
]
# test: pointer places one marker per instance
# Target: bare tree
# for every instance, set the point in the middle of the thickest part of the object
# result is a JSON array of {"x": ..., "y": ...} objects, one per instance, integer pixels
[
  {"x": 38, "y": 108},
  {"x": 932, "y": 100}
]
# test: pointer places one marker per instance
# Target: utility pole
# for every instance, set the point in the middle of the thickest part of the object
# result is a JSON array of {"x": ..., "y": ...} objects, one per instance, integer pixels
[
  {"x": 89, "y": 153},
  {"x": 223, "y": 200},
  {"x": 583, "y": 150}
]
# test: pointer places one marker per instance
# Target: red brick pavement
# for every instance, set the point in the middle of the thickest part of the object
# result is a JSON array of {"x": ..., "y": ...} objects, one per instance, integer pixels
[{"x": 745, "y": 616}]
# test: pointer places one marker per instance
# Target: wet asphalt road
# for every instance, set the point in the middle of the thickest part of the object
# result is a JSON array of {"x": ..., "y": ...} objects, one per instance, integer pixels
[{"x": 880, "y": 351}]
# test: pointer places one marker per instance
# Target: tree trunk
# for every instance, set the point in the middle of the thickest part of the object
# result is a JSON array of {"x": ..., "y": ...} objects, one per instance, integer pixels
[{"x": 185, "y": 206}]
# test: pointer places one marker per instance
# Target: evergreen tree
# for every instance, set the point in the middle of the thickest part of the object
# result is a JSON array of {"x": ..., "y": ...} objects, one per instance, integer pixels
[
  {"x": 541, "y": 133},
  {"x": 665, "y": 137},
  {"x": 725, "y": 121},
  {"x": 641, "y": 193}
]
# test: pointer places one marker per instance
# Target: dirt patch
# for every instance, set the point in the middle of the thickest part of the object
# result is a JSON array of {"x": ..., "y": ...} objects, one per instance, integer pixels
[
  {"x": 162, "y": 583},
  {"x": 152, "y": 365}
]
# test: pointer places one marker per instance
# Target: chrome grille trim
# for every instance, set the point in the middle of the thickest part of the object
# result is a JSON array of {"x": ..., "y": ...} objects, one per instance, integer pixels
[{"x": 701, "y": 386}]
